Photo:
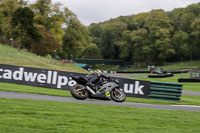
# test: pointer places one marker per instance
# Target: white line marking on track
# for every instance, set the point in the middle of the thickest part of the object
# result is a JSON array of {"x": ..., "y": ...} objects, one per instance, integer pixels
[{"x": 186, "y": 106}]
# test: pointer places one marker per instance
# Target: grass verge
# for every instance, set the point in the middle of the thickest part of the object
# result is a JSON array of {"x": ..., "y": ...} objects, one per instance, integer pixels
[
  {"x": 30, "y": 116},
  {"x": 11, "y": 56},
  {"x": 171, "y": 66}
]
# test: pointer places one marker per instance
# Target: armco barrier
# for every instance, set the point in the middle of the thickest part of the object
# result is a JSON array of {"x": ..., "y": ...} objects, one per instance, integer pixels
[
  {"x": 161, "y": 75},
  {"x": 133, "y": 71},
  {"x": 165, "y": 91},
  {"x": 173, "y": 72},
  {"x": 189, "y": 80},
  {"x": 99, "y": 61}
]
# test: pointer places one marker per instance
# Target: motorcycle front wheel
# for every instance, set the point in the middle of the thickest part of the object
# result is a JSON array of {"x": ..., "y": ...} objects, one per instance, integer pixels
[
  {"x": 79, "y": 93},
  {"x": 118, "y": 95}
]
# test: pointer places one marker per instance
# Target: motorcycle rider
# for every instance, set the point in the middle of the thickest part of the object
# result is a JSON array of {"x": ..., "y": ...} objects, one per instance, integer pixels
[
  {"x": 97, "y": 85},
  {"x": 94, "y": 78}
]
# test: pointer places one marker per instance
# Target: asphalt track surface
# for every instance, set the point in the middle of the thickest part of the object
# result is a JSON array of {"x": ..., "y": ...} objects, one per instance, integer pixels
[
  {"x": 191, "y": 93},
  {"x": 17, "y": 95}
]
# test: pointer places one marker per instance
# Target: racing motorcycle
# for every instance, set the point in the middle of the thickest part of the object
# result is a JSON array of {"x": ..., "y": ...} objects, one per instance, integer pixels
[{"x": 105, "y": 89}]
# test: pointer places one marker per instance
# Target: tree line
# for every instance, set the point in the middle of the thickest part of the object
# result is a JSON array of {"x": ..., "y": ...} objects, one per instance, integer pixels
[
  {"x": 153, "y": 37},
  {"x": 43, "y": 28}
]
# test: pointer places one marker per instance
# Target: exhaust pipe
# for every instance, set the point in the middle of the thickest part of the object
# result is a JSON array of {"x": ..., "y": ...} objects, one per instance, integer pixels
[{"x": 90, "y": 90}]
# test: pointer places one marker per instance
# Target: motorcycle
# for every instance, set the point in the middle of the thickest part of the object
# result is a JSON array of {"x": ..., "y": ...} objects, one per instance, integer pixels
[{"x": 105, "y": 89}]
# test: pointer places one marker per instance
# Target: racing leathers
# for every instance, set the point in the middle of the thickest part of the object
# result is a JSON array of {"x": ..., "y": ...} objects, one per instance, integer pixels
[{"x": 94, "y": 79}]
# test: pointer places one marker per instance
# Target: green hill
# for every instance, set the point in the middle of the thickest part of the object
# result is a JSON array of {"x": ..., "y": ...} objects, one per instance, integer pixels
[
  {"x": 11, "y": 56},
  {"x": 170, "y": 66}
]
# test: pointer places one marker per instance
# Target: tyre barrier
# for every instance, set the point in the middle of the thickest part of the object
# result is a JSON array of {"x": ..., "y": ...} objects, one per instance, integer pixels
[
  {"x": 133, "y": 71},
  {"x": 112, "y": 72},
  {"x": 173, "y": 72},
  {"x": 165, "y": 91},
  {"x": 176, "y": 72},
  {"x": 161, "y": 75},
  {"x": 189, "y": 80}
]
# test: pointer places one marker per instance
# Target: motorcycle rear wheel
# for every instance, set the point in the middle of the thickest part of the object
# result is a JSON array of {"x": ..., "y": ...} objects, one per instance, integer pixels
[
  {"x": 80, "y": 94},
  {"x": 118, "y": 95}
]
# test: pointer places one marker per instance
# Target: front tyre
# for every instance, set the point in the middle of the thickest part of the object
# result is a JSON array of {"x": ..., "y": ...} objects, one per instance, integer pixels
[
  {"x": 79, "y": 92},
  {"x": 118, "y": 95}
]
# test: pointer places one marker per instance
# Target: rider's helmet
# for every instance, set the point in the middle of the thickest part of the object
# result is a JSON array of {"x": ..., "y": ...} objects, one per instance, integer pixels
[{"x": 99, "y": 72}]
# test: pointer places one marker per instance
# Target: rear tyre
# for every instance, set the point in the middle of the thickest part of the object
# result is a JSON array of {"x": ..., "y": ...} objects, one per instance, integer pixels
[
  {"x": 118, "y": 95},
  {"x": 79, "y": 93}
]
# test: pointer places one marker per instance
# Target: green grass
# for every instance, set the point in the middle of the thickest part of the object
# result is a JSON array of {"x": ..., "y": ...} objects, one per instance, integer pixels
[
  {"x": 11, "y": 56},
  {"x": 185, "y": 100},
  {"x": 30, "y": 116},
  {"x": 174, "y": 79},
  {"x": 34, "y": 90},
  {"x": 169, "y": 66},
  {"x": 182, "y": 65}
]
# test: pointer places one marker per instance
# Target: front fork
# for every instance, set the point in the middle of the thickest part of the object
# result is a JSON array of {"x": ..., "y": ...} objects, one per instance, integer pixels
[{"x": 107, "y": 92}]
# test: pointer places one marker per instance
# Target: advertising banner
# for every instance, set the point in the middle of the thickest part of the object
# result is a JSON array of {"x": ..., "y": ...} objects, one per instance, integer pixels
[{"x": 62, "y": 80}]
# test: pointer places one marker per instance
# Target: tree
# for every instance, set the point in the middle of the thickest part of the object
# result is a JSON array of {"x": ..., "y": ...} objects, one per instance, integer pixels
[
  {"x": 186, "y": 21},
  {"x": 195, "y": 39},
  {"x": 75, "y": 40},
  {"x": 47, "y": 45},
  {"x": 22, "y": 23},
  {"x": 57, "y": 19},
  {"x": 95, "y": 31},
  {"x": 53, "y": 17},
  {"x": 91, "y": 51},
  {"x": 110, "y": 38},
  {"x": 180, "y": 42},
  {"x": 159, "y": 26},
  {"x": 1, "y": 31},
  {"x": 150, "y": 38},
  {"x": 134, "y": 41},
  {"x": 42, "y": 9},
  {"x": 141, "y": 47},
  {"x": 7, "y": 8}
]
